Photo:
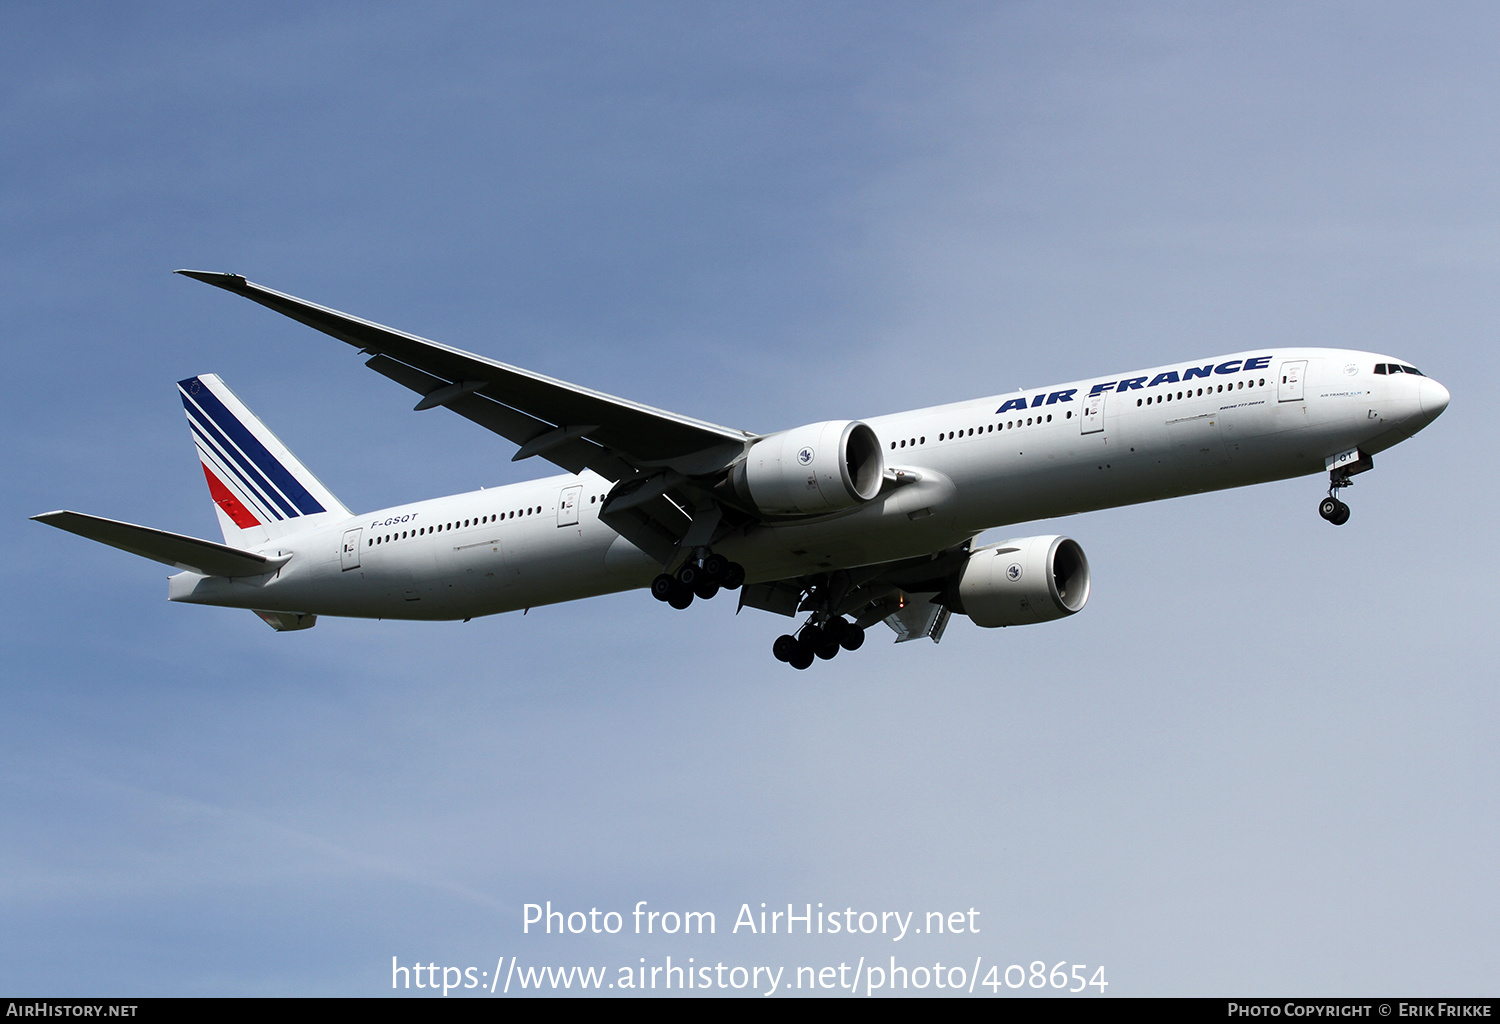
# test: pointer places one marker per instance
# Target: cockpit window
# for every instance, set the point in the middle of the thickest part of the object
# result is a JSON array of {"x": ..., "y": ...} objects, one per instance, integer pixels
[{"x": 1397, "y": 368}]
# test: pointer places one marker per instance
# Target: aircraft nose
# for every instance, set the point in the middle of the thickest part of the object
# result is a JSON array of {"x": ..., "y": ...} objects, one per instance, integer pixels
[{"x": 1434, "y": 398}]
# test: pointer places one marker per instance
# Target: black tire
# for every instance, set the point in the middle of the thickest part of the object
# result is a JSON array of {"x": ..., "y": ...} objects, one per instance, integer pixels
[
  {"x": 827, "y": 649},
  {"x": 812, "y": 636},
  {"x": 1329, "y": 507},
  {"x": 784, "y": 648},
  {"x": 705, "y": 588},
  {"x": 734, "y": 576},
  {"x": 1341, "y": 516},
  {"x": 802, "y": 659},
  {"x": 662, "y": 587},
  {"x": 853, "y": 638},
  {"x": 715, "y": 566},
  {"x": 689, "y": 575},
  {"x": 680, "y": 597}
]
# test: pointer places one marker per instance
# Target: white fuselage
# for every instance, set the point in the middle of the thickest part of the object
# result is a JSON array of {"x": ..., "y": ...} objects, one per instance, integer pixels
[{"x": 1108, "y": 441}]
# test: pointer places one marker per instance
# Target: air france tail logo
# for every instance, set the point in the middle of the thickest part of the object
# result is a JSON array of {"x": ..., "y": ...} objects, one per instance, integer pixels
[
  {"x": 245, "y": 479},
  {"x": 1232, "y": 366}
]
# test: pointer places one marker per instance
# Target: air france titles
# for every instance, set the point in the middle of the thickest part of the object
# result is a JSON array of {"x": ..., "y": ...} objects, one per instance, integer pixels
[{"x": 1228, "y": 368}]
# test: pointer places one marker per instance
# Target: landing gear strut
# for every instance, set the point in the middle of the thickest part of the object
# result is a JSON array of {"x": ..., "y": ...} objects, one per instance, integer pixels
[
  {"x": 698, "y": 578},
  {"x": 1331, "y": 508}
]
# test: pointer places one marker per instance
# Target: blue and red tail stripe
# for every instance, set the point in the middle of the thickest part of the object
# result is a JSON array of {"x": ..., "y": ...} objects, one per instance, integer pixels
[
  {"x": 255, "y": 471},
  {"x": 225, "y": 499},
  {"x": 232, "y": 464}
]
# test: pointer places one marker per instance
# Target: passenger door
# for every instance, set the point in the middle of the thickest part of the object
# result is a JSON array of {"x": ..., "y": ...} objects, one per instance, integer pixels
[
  {"x": 1290, "y": 388},
  {"x": 350, "y": 556},
  {"x": 1093, "y": 413},
  {"x": 567, "y": 506}
]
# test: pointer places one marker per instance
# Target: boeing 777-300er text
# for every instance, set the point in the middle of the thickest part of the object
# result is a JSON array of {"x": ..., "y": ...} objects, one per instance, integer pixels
[{"x": 852, "y": 522}]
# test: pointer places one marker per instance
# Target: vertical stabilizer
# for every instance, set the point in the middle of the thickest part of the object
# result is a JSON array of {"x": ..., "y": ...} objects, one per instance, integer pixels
[{"x": 260, "y": 490}]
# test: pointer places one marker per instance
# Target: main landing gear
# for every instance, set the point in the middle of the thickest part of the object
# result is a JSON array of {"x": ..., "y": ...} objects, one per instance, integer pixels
[
  {"x": 698, "y": 578},
  {"x": 815, "y": 641},
  {"x": 1330, "y": 508}
]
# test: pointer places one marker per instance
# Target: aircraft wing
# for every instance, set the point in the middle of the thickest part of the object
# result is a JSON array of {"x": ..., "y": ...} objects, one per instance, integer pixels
[
  {"x": 574, "y": 427},
  {"x": 175, "y": 549}
]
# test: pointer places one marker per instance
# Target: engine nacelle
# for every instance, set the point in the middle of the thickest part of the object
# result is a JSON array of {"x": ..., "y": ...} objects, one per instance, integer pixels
[
  {"x": 1034, "y": 579},
  {"x": 822, "y": 467}
]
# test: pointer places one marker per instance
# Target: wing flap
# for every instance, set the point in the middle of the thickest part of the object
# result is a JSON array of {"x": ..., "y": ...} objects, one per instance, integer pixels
[
  {"x": 574, "y": 455},
  {"x": 175, "y": 549},
  {"x": 917, "y": 617}
]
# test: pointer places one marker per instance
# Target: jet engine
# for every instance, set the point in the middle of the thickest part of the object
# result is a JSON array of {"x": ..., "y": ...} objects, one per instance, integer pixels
[
  {"x": 822, "y": 467},
  {"x": 1017, "y": 582}
]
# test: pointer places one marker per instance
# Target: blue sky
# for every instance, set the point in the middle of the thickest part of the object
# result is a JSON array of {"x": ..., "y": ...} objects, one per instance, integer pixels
[{"x": 1261, "y": 761}]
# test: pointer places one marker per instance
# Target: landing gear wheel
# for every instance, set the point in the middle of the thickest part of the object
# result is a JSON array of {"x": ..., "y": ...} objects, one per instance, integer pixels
[
  {"x": 689, "y": 575},
  {"x": 662, "y": 587},
  {"x": 823, "y": 641},
  {"x": 785, "y": 648},
  {"x": 853, "y": 638},
  {"x": 734, "y": 576},
  {"x": 1333, "y": 510},
  {"x": 680, "y": 597},
  {"x": 802, "y": 659},
  {"x": 715, "y": 566},
  {"x": 705, "y": 588}
]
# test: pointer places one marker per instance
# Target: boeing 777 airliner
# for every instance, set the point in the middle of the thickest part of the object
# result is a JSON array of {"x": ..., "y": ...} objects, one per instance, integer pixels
[{"x": 849, "y": 521}]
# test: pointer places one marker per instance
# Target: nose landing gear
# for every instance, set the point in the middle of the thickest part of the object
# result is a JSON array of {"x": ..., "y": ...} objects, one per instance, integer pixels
[
  {"x": 1331, "y": 508},
  {"x": 1341, "y": 470}
]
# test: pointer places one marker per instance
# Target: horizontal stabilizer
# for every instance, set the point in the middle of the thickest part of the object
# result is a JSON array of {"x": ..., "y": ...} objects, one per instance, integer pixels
[{"x": 200, "y": 556}]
